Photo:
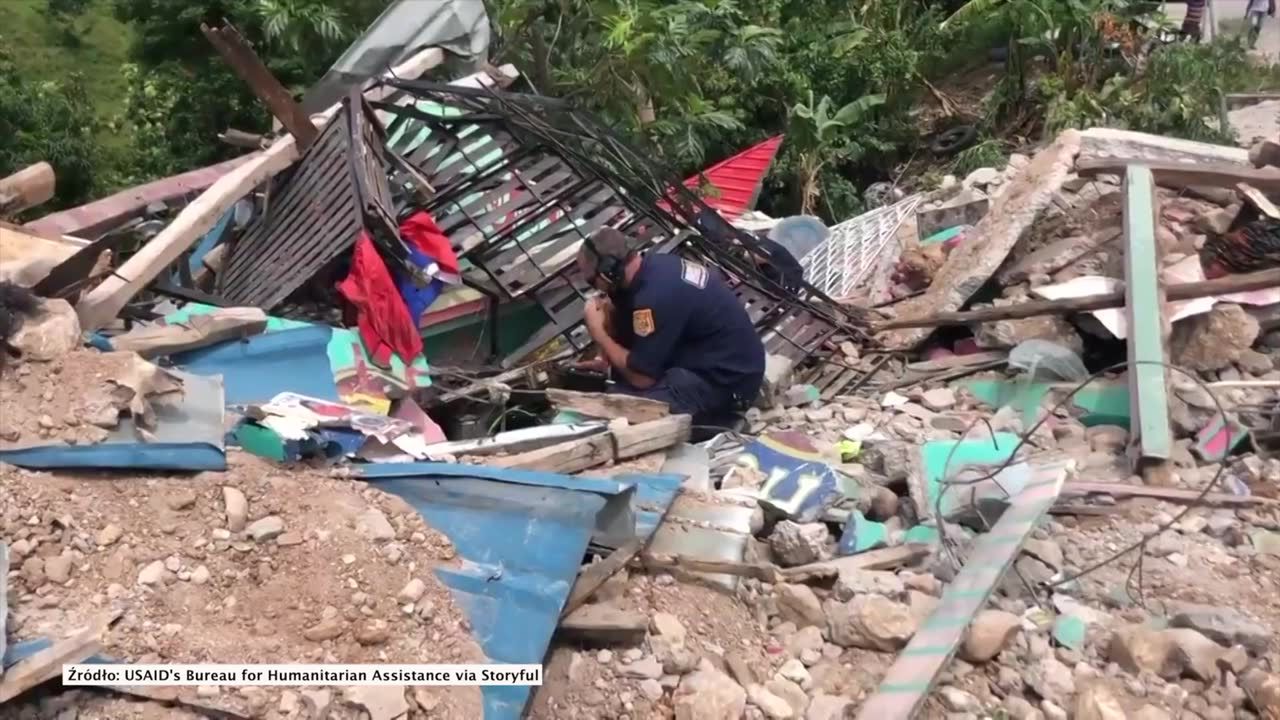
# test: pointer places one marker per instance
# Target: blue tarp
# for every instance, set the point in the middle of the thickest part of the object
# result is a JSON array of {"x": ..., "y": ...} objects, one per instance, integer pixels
[
  {"x": 261, "y": 367},
  {"x": 522, "y": 536},
  {"x": 188, "y": 436}
]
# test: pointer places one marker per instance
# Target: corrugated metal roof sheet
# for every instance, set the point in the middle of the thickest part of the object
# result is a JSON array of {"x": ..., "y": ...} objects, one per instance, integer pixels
[{"x": 738, "y": 178}]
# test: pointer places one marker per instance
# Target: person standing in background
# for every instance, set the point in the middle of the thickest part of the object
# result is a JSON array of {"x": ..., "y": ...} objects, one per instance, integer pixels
[
  {"x": 1193, "y": 21},
  {"x": 1253, "y": 15}
]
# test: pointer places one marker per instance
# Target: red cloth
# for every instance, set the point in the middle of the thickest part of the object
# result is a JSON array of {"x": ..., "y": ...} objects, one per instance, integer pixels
[
  {"x": 421, "y": 230},
  {"x": 383, "y": 318}
]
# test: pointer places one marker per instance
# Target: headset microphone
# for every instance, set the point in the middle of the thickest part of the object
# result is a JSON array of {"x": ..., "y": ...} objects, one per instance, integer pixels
[{"x": 612, "y": 269}]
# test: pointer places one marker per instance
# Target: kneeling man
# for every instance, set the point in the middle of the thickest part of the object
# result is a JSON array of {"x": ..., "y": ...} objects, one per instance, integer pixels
[{"x": 672, "y": 330}]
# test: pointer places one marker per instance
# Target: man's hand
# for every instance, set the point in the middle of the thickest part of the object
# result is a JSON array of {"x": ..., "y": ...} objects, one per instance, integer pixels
[
  {"x": 597, "y": 316},
  {"x": 598, "y": 364}
]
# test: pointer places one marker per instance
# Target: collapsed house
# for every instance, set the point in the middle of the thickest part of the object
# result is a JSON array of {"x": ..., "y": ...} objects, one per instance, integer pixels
[{"x": 347, "y": 355}]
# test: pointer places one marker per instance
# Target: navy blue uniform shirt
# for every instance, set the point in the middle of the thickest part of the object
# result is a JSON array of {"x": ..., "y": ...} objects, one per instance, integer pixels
[{"x": 680, "y": 314}]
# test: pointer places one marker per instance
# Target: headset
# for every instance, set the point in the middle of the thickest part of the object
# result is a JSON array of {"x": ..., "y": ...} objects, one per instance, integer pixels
[{"x": 612, "y": 269}]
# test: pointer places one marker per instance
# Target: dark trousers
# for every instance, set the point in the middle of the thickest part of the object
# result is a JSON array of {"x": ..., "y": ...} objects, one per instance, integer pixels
[{"x": 687, "y": 393}]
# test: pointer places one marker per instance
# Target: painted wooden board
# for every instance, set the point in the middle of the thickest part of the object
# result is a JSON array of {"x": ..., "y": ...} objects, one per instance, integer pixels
[{"x": 913, "y": 674}]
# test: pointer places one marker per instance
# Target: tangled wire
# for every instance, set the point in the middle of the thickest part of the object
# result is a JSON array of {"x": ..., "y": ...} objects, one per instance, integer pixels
[{"x": 1140, "y": 546}]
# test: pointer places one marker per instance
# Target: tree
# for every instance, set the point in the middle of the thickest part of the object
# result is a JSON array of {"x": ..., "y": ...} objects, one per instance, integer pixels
[
  {"x": 822, "y": 138},
  {"x": 51, "y": 121}
]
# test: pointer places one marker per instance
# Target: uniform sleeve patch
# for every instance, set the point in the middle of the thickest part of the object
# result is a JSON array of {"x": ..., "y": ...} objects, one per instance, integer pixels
[
  {"x": 694, "y": 274},
  {"x": 642, "y": 323}
]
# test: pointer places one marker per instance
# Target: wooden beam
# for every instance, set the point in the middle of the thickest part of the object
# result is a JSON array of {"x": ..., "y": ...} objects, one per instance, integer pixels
[
  {"x": 1180, "y": 176},
  {"x": 26, "y": 188},
  {"x": 47, "y": 664},
  {"x": 1177, "y": 495},
  {"x": 198, "y": 331},
  {"x": 587, "y": 452},
  {"x": 604, "y": 624},
  {"x": 1147, "y": 336},
  {"x": 889, "y": 558},
  {"x": 1261, "y": 280},
  {"x": 1258, "y": 200},
  {"x": 237, "y": 52},
  {"x": 240, "y": 138},
  {"x": 100, "y": 306},
  {"x": 593, "y": 577},
  {"x": 608, "y": 405},
  {"x": 764, "y": 572}
]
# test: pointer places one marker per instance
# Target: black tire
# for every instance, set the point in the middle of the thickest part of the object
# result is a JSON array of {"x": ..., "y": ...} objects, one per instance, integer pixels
[{"x": 950, "y": 142}]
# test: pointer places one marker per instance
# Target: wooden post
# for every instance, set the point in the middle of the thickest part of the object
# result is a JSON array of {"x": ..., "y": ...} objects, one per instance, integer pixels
[
  {"x": 101, "y": 305},
  {"x": 1144, "y": 305},
  {"x": 233, "y": 48},
  {"x": 26, "y": 188}
]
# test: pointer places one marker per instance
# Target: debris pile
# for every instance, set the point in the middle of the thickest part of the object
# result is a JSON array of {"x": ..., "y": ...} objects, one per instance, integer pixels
[{"x": 1014, "y": 456}]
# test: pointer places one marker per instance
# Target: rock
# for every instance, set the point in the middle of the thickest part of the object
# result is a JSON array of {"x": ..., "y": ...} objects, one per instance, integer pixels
[
  {"x": 326, "y": 629},
  {"x": 1096, "y": 702},
  {"x": 1011, "y": 333},
  {"x": 981, "y": 176},
  {"x": 939, "y": 399},
  {"x": 152, "y": 574},
  {"x": 1255, "y": 363},
  {"x": 795, "y": 671},
  {"x": 798, "y": 604},
  {"x": 1052, "y": 710},
  {"x": 181, "y": 499},
  {"x": 1046, "y": 551},
  {"x": 1223, "y": 625},
  {"x": 709, "y": 694},
  {"x": 236, "y": 508},
  {"x": 51, "y": 332},
  {"x": 200, "y": 575},
  {"x": 1151, "y": 712},
  {"x": 1051, "y": 680},
  {"x": 1194, "y": 654},
  {"x": 852, "y": 583},
  {"x": 792, "y": 693},
  {"x": 1139, "y": 648},
  {"x": 382, "y": 702},
  {"x": 1019, "y": 709},
  {"x": 58, "y": 569},
  {"x": 957, "y": 700},
  {"x": 412, "y": 591},
  {"x": 317, "y": 702},
  {"x": 373, "y": 633},
  {"x": 108, "y": 535},
  {"x": 33, "y": 572},
  {"x": 373, "y": 524},
  {"x": 808, "y": 638},
  {"x": 669, "y": 627},
  {"x": 793, "y": 544},
  {"x": 1215, "y": 222},
  {"x": 1213, "y": 340},
  {"x": 827, "y": 707},
  {"x": 1263, "y": 689},
  {"x": 645, "y": 667},
  {"x": 1107, "y": 438},
  {"x": 651, "y": 689},
  {"x": 871, "y": 622},
  {"x": 773, "y": 706},
  {"x": 921, "y": 606},
  {"x": 266, "y": 528},
  {"x": 989, "y": 633}
]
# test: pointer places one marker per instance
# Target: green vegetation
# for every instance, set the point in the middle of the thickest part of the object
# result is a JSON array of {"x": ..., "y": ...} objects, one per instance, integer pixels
[{"x": 122, "y": 91}]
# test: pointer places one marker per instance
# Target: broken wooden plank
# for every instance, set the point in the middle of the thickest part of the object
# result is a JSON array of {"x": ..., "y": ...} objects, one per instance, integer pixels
[
  {"x": 882, "y": 559},
  {"x": 764, "y": 572},
  {"x": 918, "y": 665},
  {"x": 240, "y": 138},
  {"x": 597, "y": 573},
  {"x": 4, "y": 599},
  {"x": 1180, "y": 176},
  {"x": 27, "y": 188},
  {"x": 604, "y": 624},
  {"x": 47, "y": 664},
  {"x": 101, "y": 305},
  {"x": 1148, "y": 328},
  {"x": 237, "y": 52},
  {"x": 1117, "y": 490},
  {"x": 1258, "y": 200},
  {"x": 619, "y": 444},
  {"x": 608, "y": 405},
  {"x": 1261, "y": 280},
  {"x": 197, "y": 331},
  {"x": 1011, "y": 217}
]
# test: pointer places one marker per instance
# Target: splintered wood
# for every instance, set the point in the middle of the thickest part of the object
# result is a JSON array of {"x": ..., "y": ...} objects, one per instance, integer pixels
[{"x": 614, "y": 445}]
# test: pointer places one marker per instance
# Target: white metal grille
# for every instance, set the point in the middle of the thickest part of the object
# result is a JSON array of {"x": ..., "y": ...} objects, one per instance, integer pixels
[{"x": 844, "y": 263}]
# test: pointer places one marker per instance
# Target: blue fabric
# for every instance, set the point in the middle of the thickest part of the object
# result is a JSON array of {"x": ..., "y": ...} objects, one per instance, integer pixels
[
  {"x": 417, "y": 299},
  {"x": 260, "y": 367},
  {"x": 699, "y": 325}
]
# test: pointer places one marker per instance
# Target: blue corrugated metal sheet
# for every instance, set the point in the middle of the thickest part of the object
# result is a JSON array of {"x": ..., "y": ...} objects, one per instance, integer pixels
[
  {"x": 261, "y": 367},
  {"x": 188, "y": 436},
  {"x": 522, "y": 536}
]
